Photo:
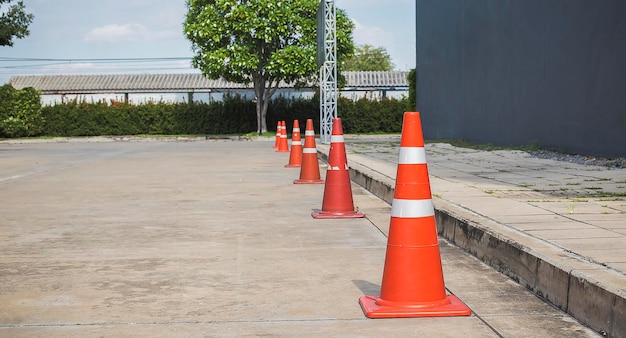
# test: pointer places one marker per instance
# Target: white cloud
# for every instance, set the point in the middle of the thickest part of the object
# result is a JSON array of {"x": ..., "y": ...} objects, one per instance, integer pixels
[
  {"x": 371, "y": 35},
  {"x": 131, "y": 32}
]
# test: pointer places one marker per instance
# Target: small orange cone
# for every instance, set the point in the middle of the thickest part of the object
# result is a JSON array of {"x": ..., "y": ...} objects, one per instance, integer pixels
[
  {"x": 278, "y": 129},
  {"x": 337, "y": 201},
  {"x": 412, "y": 284},
  {"x": 310, "y": 168},
  {"x": 295, "y": 157},
  {"x": 283, "y": 146}
]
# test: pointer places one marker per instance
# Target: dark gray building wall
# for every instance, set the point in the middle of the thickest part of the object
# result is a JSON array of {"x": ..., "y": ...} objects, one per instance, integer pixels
[{"x": 517, "y": 72}]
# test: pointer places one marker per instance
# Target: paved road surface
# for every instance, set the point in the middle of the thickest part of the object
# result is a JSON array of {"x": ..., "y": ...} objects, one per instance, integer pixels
[{"x": 211, "y": 238}]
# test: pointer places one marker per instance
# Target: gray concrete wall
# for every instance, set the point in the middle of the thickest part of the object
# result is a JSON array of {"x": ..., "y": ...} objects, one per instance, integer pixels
[{"x": 517, "y": 72}]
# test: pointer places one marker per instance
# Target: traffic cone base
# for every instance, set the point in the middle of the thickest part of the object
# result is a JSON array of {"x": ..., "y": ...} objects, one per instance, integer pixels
[
  {"x": 374, "y": 307},
  {"x": 321, "y": 214},
  {"x": 313, "y": 181}
]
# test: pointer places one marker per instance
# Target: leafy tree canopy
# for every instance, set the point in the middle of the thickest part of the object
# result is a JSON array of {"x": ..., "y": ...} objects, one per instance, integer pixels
[
  {"x": 369, "y": 58},
  {"x": 262, "y": 42},
  {"x": 14, "y": 22}
]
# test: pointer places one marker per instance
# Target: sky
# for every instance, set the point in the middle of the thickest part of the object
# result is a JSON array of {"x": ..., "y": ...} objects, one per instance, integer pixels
[{"x": 74, "y": 36}]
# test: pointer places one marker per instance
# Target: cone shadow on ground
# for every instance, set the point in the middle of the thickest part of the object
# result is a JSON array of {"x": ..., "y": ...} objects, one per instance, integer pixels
[{"x": 367, "y": 288}]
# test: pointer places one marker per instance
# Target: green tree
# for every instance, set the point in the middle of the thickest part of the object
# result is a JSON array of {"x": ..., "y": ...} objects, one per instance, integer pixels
[
  {"x": 262, "y": 42},
  {"x": 369, "y": 58},
  {"x": 13, "y": 22},
  {"x": 412, "y": 78}
]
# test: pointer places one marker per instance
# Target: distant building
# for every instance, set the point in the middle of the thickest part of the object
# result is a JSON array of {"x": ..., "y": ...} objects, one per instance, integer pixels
[
  {"x": 520, "y": 72},
  {"x": 139, "y": 88}
]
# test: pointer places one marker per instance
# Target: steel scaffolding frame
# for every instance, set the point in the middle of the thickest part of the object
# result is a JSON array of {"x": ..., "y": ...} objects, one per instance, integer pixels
[{"x": 328, "y": 72}]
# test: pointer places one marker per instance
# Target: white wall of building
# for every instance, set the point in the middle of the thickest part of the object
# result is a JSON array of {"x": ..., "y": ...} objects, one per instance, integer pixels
[{"x": 206, "y": 97}]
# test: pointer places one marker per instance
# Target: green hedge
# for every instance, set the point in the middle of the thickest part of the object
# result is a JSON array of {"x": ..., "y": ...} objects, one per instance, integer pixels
[
  {"x": 412, "y": 100},
  {"x": 20, "y": 112},
  {"x": 231, "y": 116},
  {"x": 22, "y": 115},
  {"x": 369, "y": 116},
  {"x": 288, "y": 110},
  {"x": 357, "y": 117}
]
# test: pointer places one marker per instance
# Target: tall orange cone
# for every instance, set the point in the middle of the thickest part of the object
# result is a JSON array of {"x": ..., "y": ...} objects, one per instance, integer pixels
[
  {"x": 337, "y": 201},
  {"x": 283, "y": 146},
  {"x": 310, "y": 168},
  {"x": 295, "y": 157},
  {"x": 278, "y": 129},
  {"x": 412, "y": 284}
]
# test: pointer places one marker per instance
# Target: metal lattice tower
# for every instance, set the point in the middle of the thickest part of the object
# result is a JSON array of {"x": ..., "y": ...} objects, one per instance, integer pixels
[{"x": 328, "y": 73}]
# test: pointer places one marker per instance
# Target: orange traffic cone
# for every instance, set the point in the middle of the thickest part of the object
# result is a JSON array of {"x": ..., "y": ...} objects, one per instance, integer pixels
[
  {"x": 337, "y": 201},
  {"x": 310, "y": 168},
  {"x": 412, "y": 284},
  {"x": 278, "y": 129},
  {"x": 295, "y": 157},
  {"x": 283, "y": 146}
]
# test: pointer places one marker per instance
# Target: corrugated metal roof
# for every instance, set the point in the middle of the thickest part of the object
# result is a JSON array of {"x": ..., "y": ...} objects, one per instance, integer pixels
[
  {"x": 364, "y": 80},
  {"x": 156, "y": 83},
  {"x": 126, "y": 83}
]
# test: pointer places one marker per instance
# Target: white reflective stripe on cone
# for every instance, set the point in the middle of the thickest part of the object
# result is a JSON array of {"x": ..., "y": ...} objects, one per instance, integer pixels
[
  {"x": 337, "y": 168},
  {"x": 296, "y": 143},
  {"x": 412, "y": 208},
  {"x": 336, "y": 139},
  {"x": 412, "y": 155},
  {"x": 309, "y": 133},
  {"x": 296, "y": 130},
  {"x": 309, "y": 151}
]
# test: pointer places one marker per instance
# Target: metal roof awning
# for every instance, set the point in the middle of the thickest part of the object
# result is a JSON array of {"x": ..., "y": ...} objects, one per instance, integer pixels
[{"x": 177, "y": 83}]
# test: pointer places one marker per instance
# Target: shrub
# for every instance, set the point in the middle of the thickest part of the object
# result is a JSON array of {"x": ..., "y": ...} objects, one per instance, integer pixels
[
  {"x": 233, "y": 115},
  {"x": 290, "y": 109},
  {"x": 20, "y": 112},
  {"x": 412, "y": 78},
  {"x": 371, "y": 116}
]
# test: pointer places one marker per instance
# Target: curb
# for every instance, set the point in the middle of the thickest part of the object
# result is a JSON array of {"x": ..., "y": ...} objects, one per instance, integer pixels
[
  {"x": 132, "y": 138},
  {"x": 569, "y": 288}
]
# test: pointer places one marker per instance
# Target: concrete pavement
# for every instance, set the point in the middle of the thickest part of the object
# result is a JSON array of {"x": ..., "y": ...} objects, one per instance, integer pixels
[
  {"x": 211, "y": 238},
  {"x": 557, "y": 228}
]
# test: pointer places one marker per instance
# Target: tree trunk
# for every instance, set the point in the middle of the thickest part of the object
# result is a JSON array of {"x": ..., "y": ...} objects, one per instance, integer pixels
[
  {"x": 261, "y": 109},
  {"x": 263, "y": 97},
  {"x": 269, "y": 92},
  {"x": 260, "y": 117}
]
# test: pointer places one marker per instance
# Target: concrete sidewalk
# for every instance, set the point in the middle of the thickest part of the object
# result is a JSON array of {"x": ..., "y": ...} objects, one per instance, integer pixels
[
  {"x": 557, "y": 228},
  {"x": 211, "y": 238}
]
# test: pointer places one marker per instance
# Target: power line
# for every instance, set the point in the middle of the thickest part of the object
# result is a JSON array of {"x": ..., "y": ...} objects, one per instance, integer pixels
[
  {"x": 12, "y": 66},
  {"x": 41, "y": 65},
  {"x": 105, "y": 60},
  {"x": 34, "y": 63}
]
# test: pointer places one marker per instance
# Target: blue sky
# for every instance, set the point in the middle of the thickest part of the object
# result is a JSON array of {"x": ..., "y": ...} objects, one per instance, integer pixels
[{"x": 122, "y": 29}]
